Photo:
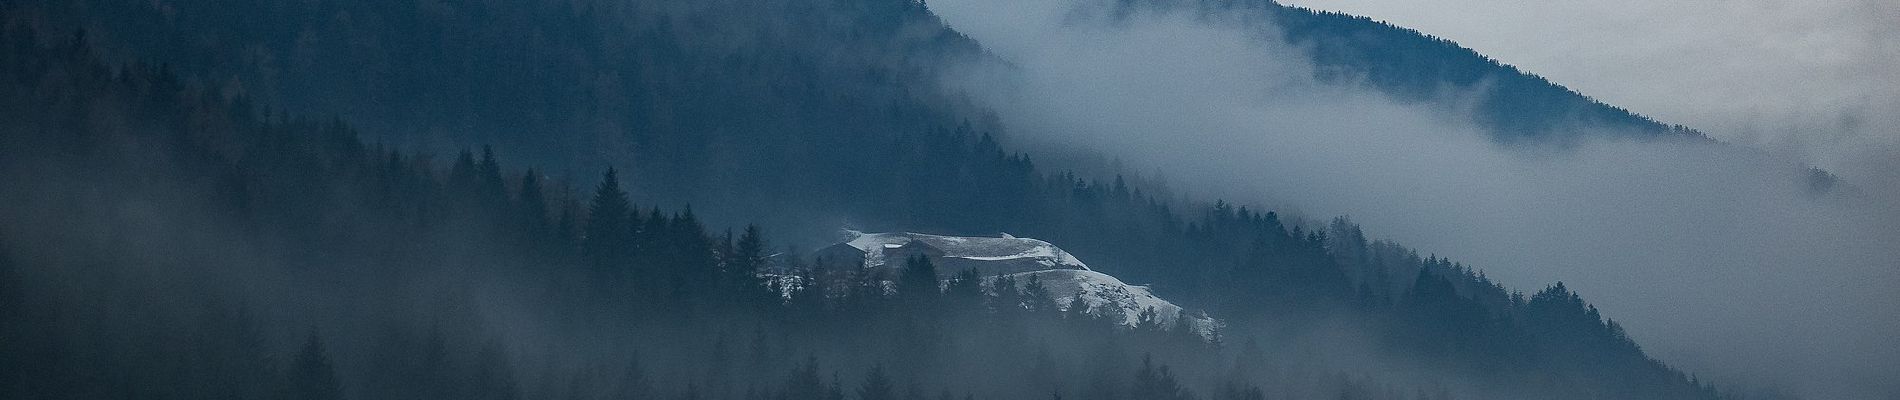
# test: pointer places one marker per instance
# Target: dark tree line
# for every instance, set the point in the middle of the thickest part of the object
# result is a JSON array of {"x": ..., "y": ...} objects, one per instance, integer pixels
[{"x": 373, "y": 266}]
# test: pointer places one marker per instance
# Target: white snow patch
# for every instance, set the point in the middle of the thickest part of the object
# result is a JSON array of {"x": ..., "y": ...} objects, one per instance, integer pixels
[
  {"x": 1107, "y": 296},
  {"x": 1006, "y": 248},
  {"x": 1064, "y": 276}
]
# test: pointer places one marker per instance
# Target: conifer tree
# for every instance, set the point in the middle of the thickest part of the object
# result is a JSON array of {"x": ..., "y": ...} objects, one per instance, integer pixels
[
  {"x": 1183, "y": 329},
  {"x": 742, "y": 266},
  {"x": 1077, "y": 310},
  {"x": 489, "y": 185},
  {"x": 919, "y": 279},
  {"x": 1148, "y": 320},
  {"x": 966, "y": 289},
  {"x": 1036, "y": 297},
  {"x": 464, "y": 175},
  {"x": 1154, "y": 382},
  {"x": 607, "y": 243},
  {"x": 532, "y": 203}
]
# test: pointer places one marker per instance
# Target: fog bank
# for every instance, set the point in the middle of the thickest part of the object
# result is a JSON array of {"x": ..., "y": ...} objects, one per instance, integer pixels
[
  {"x": 1718, "y": 260},
  {"x": 1814, "y": 80}
]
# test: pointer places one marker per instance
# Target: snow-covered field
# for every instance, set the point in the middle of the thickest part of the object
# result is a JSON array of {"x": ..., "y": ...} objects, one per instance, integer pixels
[
  {"x": 1003, "y": 254},
  {"x": 1108, "y": 296},
  {"x": 1061, "y": 273}
]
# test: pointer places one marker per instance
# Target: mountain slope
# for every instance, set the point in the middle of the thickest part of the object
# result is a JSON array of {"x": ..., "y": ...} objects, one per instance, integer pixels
[
  {"x": 1415, "y": 66},
  {"x": 1122, "y": 302},
  {"x": 713, "y": 103},
  {"x": 707, "y": 136},
  {"x": 1015, "y": 261}
]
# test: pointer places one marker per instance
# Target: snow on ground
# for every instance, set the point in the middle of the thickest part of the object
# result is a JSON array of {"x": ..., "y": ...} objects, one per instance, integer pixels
[
  {"x": 1061, "y": 273},
  {"x": 1108, "y": 296},
  {"x": 1008, "y": 252}
]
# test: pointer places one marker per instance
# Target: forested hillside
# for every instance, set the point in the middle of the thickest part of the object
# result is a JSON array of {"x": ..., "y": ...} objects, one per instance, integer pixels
[
  {"x": 171, "y": 232},
  {"x": 1410, "y": 65},
  {"x": 806, "y": 98},
  {"x": 716, "y": 103}
]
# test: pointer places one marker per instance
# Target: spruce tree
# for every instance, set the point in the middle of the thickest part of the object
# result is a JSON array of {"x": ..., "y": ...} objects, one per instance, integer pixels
[
  {"x": 749, "y": 252},
  {"x": 1154, "y": 382},
  {"x": 607, "y": 242},
  {"x": 532, "y": 204},
  {"x": 743, "y": 266},
  {"x": 1148, "y": 320},
  {"x": 919, "y": 279},
  {"x": 1036, "y": 297},
  {"x": 1184, "y": 330},
  {"x": 1077, "y": 310},
  {"x": 966, "y": 289},
  {"x": 463, "y": 175},
  {"x": 488, "y": 178}
]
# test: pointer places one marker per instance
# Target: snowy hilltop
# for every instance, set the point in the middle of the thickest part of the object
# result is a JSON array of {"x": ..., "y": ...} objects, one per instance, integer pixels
[
  {"x": 1020, "y": 259},
  {"x": 990, "y": 256}
]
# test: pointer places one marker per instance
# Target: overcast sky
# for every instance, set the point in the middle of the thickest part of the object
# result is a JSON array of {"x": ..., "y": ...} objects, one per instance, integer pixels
[{"x": 1814, "y": 80}]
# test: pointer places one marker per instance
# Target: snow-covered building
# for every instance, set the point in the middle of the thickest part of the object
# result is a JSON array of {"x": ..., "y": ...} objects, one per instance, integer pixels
[{"x": 989, "y": 256}]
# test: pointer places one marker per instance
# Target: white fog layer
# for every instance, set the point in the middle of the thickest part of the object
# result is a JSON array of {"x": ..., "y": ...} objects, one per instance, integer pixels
[
  {"x": 1717, "y": 259},
  {"x": 1817, "y": 80}
]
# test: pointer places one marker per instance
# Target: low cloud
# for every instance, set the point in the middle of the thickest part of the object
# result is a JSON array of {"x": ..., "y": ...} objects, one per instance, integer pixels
[
  {"x": 1812, "y": 80},
  {"x": 1718, "y": 259}
]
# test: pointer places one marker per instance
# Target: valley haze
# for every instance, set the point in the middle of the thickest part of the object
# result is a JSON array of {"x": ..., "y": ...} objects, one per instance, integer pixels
[{"x": 1718, "y": 258}]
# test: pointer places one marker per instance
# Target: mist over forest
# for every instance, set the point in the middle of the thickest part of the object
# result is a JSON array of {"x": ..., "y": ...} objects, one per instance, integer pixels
[{"x": 887, "y": 199}]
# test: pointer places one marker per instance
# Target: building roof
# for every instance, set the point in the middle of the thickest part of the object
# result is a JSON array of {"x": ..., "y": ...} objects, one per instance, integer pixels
[{"x": 1007, "y": 249}]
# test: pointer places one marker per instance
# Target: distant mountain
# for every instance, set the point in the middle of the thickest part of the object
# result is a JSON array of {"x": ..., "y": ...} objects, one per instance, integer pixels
[{"x": 1417, "y": 67}]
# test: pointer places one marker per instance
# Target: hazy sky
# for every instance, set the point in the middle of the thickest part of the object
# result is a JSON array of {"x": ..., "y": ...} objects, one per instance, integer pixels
[
  {"x": 1717, "y": 260},
  {"x": 1815, "y": 80}
]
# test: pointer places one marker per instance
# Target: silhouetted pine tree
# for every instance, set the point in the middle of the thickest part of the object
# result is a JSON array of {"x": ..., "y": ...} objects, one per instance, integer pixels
[
  {"x": 743, "y": 265},
  {"x": 918, "y": 280},
  {"x": 607, "y": 244},
  {"x": 532, "y": 205},
  {"x": 489, "y": 186},
  {"x": 1154, "y": 382}
]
